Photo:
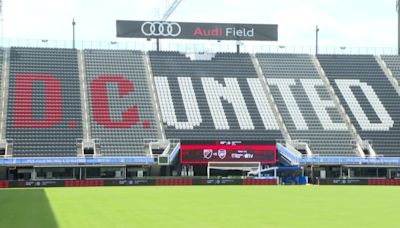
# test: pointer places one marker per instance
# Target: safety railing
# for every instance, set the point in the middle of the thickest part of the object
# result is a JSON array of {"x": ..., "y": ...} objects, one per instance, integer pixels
[{"x": 190, "y": 46}]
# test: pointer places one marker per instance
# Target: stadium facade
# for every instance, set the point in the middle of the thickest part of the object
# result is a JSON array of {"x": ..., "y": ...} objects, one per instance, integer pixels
[
  {"x": 91, "y": 114},
  {"x": 120, "y": 113}
]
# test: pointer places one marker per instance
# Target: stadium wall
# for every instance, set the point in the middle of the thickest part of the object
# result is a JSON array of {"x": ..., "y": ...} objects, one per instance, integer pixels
[
  {"x": 186, "y": 182},
  {"x": 136, "y": 182},
  {"x": 234, "y": 109}
]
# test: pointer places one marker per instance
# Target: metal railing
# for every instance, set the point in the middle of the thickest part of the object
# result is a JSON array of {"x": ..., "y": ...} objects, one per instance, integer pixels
[{"x": 190, "y": 46}]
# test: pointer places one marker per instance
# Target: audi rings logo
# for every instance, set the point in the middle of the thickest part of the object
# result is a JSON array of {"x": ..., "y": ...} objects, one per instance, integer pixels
[{"x": 161, "y": 28}]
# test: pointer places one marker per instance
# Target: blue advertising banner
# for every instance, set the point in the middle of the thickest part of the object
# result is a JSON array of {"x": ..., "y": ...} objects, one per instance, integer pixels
[{"x": 75, "y": 161}]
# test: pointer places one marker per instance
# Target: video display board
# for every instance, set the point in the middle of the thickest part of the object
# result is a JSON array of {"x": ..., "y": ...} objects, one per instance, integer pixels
[{"x": 202, "y": 152}]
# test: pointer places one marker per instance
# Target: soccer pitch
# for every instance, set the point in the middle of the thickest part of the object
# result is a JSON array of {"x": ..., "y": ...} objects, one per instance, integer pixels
[{"x": 201, "y": 206}]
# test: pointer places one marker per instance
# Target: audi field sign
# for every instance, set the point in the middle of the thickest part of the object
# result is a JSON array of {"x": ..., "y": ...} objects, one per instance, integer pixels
[{"x": 186, "y": 30}]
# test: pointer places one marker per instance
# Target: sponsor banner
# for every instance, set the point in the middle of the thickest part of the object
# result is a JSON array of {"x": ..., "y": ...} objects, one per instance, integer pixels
[
  {"x": 4, "y": 184},
  {"x": 350, "y": 160},
  {"x": 202, "y": 152},
  {"x": 183, "y": 181},
  {"x": 343, "y": 181},
  {"x": 259, "y": 182},
  {"x": 25, "y": 184},
  {"x": 384, "y": 182},
  {"x": 193, "y": 30},
  {"x": 174, "y": 181},
  {"x": 135, "y": 182},
  {"x": 217, "y": 182},
  {"x": 84, "y": 183}
]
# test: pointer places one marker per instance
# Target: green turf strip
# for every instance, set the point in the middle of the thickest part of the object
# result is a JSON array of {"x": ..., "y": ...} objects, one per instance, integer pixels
[{"x": 201, "y": 206}]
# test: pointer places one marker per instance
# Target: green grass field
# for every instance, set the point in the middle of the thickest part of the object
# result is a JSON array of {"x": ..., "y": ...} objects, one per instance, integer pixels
[{"x": 201, "y": 206}]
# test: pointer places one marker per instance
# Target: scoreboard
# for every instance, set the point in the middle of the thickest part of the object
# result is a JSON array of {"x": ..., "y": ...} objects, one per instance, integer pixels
[{"x": 202, "y": 152}]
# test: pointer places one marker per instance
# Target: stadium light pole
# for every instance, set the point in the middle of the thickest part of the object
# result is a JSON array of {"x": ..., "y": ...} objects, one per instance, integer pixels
[
  {"x": 316, "y": 39},
  {"x": 398, "y": 26},
  {"x": 238, "y": 46},
  {"x": 73, "y": 33}
]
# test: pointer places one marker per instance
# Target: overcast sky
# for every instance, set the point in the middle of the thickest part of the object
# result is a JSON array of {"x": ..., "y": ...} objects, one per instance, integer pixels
[{"x": 356, "y": 23}]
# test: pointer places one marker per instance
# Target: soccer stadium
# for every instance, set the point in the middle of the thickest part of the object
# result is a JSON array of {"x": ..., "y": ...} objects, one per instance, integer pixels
[{"x": 225, "y": 137}]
